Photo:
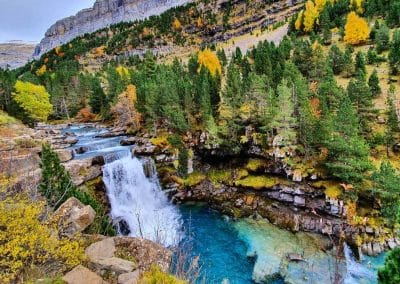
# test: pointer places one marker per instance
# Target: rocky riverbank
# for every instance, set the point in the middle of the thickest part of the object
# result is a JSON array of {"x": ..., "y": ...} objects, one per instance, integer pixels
[{"x": 261, "y": 184}]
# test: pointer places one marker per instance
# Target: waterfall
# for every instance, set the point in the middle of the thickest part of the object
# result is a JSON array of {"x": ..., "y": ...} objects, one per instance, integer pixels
[
  {"x": 356, "y": 272},
  {"x": 140, "y": 203}
]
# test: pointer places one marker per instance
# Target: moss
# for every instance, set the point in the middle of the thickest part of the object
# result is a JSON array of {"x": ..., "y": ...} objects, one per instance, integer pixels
[
  {"x": 124, "y": 254},
  {"x": 194, "y": 179},
  {"x": 255, "y": 165},
  {"x": 242, "y": 173},
  {"x": 257, "y": 182},
  {"x": 332, "y": 189},
  {"x": 161, "y": 141},
  {"x": 220, "y": 176}
]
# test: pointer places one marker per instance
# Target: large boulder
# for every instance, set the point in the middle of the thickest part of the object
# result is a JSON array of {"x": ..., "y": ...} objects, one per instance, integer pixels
[
  {"x": 73, "y": 217},
  {"x": 84, "y": 170},
  {"x": 82, "y": 275},
  {"x": 65, "y": 155}
]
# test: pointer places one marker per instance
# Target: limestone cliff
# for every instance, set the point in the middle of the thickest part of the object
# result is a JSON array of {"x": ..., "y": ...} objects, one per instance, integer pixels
[{"x": 102, "y": 14}]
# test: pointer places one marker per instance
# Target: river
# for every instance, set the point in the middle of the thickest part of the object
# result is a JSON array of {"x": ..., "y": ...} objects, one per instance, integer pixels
[{"x": 230, "y": 251}]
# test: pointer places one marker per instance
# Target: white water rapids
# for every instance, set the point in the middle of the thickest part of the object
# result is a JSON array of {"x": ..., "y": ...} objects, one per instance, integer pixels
[{"x": 140, "y": 202}]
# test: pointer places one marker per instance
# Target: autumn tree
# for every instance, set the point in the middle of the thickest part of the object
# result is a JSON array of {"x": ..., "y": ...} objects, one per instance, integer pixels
[
  {"x": 310, "y": 15},
  {"x": 34, "y": 100},
  {"x": 356, "y": 30},
  {"x": 124, "y": 111},
  {"x": 208, "y": 59}
]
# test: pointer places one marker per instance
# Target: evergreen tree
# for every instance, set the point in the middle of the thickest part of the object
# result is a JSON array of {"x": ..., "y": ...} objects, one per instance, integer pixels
[
  {"x": 394, "y": 53},
  {"x": 373, "y": 83},
  {"x": 392, "y": 126},
  {"x": 98, "y": 99},
  {"x": 56, "y": 184},
  {"x": 360, "y": 67},
  {"x": 390, "y": 273},
  {"x": 284, "y": 120},
  {"x": 393, "y": 17},
  {"x": 347, "y": 152},
  {"x": 325, "y": 26},
  {"x": 348, "y": 67},
  {"x": 386, "y": 184},
  {"x": 382, "y": 38},
  {"x": 360, "y": 94},
  {"x": 337, "y": 59}
]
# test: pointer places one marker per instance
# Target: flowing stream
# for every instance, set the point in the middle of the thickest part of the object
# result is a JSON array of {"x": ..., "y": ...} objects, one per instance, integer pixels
[{"x": 230, "y": 251}]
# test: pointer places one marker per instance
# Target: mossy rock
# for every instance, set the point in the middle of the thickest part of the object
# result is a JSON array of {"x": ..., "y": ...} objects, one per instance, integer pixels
[
  {"x": 257, "y": 182},
  {"x": 194, "y": 179},
  {"x": 255, "y": 165},
  {"x": 220, "y": 176}
]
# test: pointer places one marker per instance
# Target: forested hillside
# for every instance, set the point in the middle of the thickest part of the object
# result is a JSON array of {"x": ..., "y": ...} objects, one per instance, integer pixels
[{"x": 319, "y": 108}]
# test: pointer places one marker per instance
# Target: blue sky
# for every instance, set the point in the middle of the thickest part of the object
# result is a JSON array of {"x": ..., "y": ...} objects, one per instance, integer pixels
[{"x": 28, "y": 20}]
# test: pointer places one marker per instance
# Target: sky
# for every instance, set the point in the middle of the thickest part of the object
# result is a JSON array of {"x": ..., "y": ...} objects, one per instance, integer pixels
[{"x": 28, "y": 20}]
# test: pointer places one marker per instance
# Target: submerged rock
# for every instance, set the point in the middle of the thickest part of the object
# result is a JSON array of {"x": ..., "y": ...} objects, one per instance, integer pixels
[{"x": 272, "y": 246}]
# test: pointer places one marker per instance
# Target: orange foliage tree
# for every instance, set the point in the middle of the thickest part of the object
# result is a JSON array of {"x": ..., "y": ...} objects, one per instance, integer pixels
[
  {"x": 356, "y": 30},
  {"x": 209, "y": 60},
  {"x": 176, "y": 25}
]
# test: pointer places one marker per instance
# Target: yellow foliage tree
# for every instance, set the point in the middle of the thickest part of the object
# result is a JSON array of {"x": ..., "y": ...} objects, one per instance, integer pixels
[
  {"x": 310, "y": 15},
  {"x": 299, "y": 21},
  {"x": 26, "y": 242},
  {"x": 41, "y": 70},
  {"x": 209, "y": 60},
  {"x": 34, "y": 99},
  {"x": 320, "y": 5},
  {"x": 176, "y": 25},
  {"x": 124, "y": 112},
  {"x": 356, "y": 30}
]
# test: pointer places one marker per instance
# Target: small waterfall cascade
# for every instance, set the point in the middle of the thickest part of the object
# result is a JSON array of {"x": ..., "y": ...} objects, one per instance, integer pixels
[
  {"x": 139, "y": 203},
  {"x": 356, "y": 272}
]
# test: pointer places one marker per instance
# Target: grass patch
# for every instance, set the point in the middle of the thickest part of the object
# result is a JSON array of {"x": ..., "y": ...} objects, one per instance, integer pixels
[
  {"x": 257, "y": 182},
  {"x": 332, "y": 188},
  {"x": 5, "y": 119}
]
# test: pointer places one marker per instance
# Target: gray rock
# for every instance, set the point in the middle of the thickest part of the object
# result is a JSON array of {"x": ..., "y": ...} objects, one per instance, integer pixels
[
  {"x": 73, "y": 217},
  {"x": 129, "y": 278},
  {"x": 116, "y": 265},
  {"x": 299, "y": 201},
  {"x": 376, "y": 248},
  {"x": 82, "y": 275},
  {"x": 286, "y": 197},
  {"x": 103, "y": 13}
]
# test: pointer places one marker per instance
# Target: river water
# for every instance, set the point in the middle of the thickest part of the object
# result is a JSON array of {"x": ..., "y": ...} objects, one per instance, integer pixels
[{"x": 241, "y": 251}]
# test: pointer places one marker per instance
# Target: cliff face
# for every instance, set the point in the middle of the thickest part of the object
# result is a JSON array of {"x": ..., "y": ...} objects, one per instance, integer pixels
[{"x": 102, "y": 14}]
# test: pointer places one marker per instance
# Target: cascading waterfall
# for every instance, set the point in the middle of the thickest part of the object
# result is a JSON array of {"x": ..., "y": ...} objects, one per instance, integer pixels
[
  {"x": 140, "y": 202},
  {"x": 356, "y": 272}
]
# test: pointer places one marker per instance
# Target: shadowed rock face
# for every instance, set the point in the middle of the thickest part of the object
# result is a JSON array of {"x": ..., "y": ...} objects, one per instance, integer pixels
[{"x": 103, "y": 13}]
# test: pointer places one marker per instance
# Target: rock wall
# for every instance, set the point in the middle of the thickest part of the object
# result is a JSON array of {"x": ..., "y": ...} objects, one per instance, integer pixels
[{"x": 103, "y": 13}]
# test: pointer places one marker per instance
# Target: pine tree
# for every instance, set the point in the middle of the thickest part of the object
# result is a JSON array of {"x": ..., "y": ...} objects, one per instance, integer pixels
[
  {"x": 347, "y": 152},
  {"x": 325, "y": 26},
  {"x": 360, "y": 68},
  {"x": 390, "y": 273},
  {"x": 373, "y": 83},
  {"x": 56, "y": 184},
  {"x": 348, "y": 67},
  {"x": 394, "y": 54},
  {"x": 360, "y": 94},
  {"x": 382, "y": 38},
  {"x": 386, "y": 184},
  {"x": 392, "y": 126},
  {"x": 337, "y": 59},
  {"x": 98, "y": 99},
  {"x": 284, "y": 120}
]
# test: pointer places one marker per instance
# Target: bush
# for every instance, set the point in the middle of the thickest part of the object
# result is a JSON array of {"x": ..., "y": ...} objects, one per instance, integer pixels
[
  {"x": 26, "y": 242},
  {"x": 156, "y": 276}
]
